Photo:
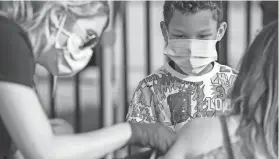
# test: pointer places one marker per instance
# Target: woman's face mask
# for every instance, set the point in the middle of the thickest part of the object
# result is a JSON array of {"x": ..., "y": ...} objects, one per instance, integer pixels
[{"x": 71, "y": 58}]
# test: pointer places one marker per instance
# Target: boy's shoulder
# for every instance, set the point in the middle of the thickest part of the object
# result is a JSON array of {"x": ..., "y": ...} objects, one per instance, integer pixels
[
  {"x": 226, "y": 69},
  {"x": 157, "y": 75}
]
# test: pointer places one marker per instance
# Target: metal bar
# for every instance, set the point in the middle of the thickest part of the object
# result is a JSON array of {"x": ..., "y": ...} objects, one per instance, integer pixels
[
  {"x": 121, "y": 82},
  {"x": 148, "y": 40},
  {"x": 77, "y": 102},
  {"x": 125, "y": 57},
  {"x": 107, "y": 90},
  {"x": 120, "y": 105},
  {"x": 99, "y": 57},
  {"x": 99, "y": 63},
  {"x": 52, "y": 98},
  {"x": 248, "y": 22},
  {"x": 125, "y": 62},
  {"x": 223, "y": 44},
  {"x": 108, "y": 50}
]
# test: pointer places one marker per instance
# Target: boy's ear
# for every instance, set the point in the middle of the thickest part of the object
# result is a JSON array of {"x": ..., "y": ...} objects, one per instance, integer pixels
[
  {"x": 221, "y": 31},
  {"x": 164, "y": 30}
]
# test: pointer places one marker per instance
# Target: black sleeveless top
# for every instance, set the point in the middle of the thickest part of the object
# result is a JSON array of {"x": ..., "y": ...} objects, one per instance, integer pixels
[{"x": 16, "y": 65}]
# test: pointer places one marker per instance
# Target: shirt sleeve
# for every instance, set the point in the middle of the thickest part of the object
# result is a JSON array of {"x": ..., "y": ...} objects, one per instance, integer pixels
[
  {"x": 16, "y": 58},
  {"x": 141, "y": 108}
]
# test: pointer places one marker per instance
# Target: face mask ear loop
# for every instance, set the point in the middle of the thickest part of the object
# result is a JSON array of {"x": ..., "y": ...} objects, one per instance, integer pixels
[
  {"x": 168, "y": 38},
  {"x": 60, "y": 31},
  {"x": 167, "y": 34}
]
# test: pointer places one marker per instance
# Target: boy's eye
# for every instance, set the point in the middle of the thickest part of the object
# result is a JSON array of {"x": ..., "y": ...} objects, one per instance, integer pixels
[
  {"x": 204, "y": 36},
  {"x": 179, "y": 36}
]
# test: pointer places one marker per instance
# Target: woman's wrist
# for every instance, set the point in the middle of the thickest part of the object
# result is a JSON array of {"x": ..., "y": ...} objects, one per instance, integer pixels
[{"x": 130, "y": 131}]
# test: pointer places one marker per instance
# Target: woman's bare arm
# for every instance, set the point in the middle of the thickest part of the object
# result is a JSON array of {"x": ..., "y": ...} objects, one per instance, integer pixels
[
  {"x": 201, "y": 136},
  {"x": 30, "y": 129}
]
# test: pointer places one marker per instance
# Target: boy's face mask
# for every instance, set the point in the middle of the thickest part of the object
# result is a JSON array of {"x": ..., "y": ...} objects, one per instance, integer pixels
[
  {"x": 68, "y": 60},
  {"x": 191, "y": 55}
]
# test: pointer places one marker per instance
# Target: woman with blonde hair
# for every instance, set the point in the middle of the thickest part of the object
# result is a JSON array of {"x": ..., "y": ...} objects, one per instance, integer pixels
[
  {"x": 251, "y": 131},
  {"x": 59, "y": 35}
]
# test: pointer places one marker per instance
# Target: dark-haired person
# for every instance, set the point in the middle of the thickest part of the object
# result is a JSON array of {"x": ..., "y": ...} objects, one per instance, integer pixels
[
  {"x": 252, "y": 128},
  {"x": 269, "y": 10},
  {"x": 192, "y": 84}
]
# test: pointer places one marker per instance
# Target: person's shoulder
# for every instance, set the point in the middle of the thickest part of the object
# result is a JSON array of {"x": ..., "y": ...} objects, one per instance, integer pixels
[
  {"x": 154, "y": 76},
  {"x": 16, "y": 57},
  {"x": 13, "y": 34},
  {"x": 7, "y": 25},
  {"x": 226, "y": 69},
  {"x": 10, "y": 30}
]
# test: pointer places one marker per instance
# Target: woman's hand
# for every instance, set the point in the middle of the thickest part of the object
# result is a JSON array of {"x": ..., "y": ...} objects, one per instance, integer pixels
[{"x": 60, "y": 127}]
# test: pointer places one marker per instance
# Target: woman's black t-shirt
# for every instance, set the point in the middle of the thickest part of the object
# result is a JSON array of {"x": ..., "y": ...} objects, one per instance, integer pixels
[{"x": 16, "y": 65}]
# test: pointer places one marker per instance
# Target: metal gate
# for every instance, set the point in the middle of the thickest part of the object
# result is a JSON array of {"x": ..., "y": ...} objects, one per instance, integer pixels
[{"x": 111, "y": 113}]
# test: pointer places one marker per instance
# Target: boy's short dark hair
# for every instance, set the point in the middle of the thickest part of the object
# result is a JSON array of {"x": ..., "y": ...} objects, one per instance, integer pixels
[{"x": 186, "y": 7}]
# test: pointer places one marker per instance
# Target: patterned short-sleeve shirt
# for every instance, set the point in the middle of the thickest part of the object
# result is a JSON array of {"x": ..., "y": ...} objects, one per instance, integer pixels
[{"x": 171, "y": 98}]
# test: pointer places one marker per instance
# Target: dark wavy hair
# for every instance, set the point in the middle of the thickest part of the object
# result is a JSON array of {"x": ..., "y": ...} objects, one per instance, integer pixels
[
  {"x": 187, "y": 7},
  {"x": 255, "y": 95}
]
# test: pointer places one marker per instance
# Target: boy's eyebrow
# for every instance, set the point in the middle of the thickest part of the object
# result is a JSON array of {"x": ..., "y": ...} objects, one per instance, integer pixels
[
  {"x": 205, "y": 30},
  {"x": 177, "y": 30}
]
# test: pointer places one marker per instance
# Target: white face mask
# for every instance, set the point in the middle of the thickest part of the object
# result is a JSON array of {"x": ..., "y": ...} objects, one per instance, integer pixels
[
  {"x": 69, "y": 60},
  {"x": 191, "y": 55}
]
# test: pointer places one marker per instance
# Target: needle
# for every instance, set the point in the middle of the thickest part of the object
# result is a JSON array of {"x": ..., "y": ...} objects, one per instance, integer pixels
[{"x": 89, "y": 42}]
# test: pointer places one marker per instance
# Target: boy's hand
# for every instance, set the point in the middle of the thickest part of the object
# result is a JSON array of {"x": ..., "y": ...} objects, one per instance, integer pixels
[{"x": 154, "y": 135}]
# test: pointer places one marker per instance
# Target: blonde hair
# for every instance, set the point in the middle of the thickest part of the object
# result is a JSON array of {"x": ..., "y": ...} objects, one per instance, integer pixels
[
  {"x": 255, "y": 95},
  {"x": 39, "y": 18}
]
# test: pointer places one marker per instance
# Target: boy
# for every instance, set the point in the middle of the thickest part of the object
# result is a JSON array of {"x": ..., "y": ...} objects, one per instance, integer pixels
[{"x": 192, "y": 84}]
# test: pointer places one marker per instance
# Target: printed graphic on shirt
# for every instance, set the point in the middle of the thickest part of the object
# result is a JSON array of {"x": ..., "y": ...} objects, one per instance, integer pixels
[
  {"x": 164, "y": 98},
  {"x": 140, "y": 106},
  {"x": 180, "y": 103}
]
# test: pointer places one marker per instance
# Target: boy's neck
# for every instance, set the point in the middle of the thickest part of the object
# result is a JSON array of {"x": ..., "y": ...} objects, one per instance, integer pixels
[{"x": 207, "y": 69}]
